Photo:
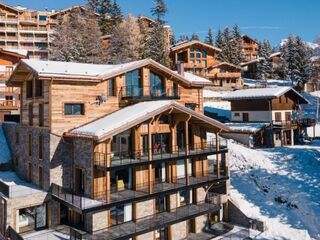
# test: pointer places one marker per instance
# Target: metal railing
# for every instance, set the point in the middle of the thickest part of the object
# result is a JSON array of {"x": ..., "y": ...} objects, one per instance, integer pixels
[
  {"x": 136, "y": 192},
  {"x": 9, "y": 103},
  {"x": 136, "y": 92},
  {"x": 284, "y": 123},
  {"x": 154, "y": 222},
  {"x": 160, "y": 153}
]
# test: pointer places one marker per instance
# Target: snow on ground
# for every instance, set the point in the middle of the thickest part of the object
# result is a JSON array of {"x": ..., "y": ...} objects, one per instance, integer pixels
[
  {"x": 214, "y": 94},
  {"x": 270, "y": 83},
  {"x": 280, "y": 186},
  {"x": 5, "y": 155}
]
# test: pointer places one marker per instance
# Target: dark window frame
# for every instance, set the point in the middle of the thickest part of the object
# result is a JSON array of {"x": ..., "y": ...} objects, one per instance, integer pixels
[{"x": 73, "y": 111}]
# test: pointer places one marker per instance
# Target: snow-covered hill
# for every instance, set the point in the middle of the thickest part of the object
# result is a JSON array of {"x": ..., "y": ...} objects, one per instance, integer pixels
[{"x": 280, "y": 186}]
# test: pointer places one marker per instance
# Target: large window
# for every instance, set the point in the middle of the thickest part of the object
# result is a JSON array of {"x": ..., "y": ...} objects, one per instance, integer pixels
[
  {"x": 29, "y": 89},
  {"x": 161, "y": 143},
  {"x": 133, "y": 83},
  {"x": 120, "y": 214},
  {"x": 32, "y": 218},
  {"x": 41, "y": 147},
  {"x": 39, "y": 88},
  {"x": 74, "y": 109},
  {"x": 112, "y": 91},
  {"x": 157, "y": 85},
  {"x": 30, "y": 144},
  {"x": 41, "y": 115}
]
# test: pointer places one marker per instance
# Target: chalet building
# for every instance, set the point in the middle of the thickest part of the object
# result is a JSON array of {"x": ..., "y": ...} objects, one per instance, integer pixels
[
  {"x": 250, "y": 48},
  {"x": 22, "y": 28},
  {"x": 201, "y": 59},
  {"x": 9, "y": 96},
  {"x": 278, "y": 108},
  {"x": 115, "y": 152}
]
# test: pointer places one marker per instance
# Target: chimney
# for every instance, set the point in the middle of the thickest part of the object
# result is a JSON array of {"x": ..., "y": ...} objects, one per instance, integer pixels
[{"x": 180, "y": 68}]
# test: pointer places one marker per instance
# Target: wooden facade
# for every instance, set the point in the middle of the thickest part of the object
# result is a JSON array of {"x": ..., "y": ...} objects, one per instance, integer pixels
[
  {"x": 250, "y": 48},
  {"x": 201, "y": 59}
]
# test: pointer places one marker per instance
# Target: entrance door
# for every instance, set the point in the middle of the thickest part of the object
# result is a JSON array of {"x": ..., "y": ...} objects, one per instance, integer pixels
[
  {"x": 245, "y": 117},
  {"x": 79, "y": 180},
  {"x": 64, "y": 215},
  {"x": 41, "y": 217}
]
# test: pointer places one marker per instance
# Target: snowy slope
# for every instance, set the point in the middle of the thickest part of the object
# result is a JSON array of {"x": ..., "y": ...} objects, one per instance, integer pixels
[
  {"x": 280, "y": 186},
  {"x": 5, "y": 154}
]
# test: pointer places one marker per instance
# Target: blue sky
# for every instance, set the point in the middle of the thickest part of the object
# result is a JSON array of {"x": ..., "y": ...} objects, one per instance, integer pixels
[{"x": 261, "y": 19}]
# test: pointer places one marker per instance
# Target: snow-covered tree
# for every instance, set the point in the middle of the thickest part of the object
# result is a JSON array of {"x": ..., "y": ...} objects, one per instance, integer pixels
[
  {"x": 236, "y": 45},
  {"x": 159, "y": 10},
  {"x": 77, "y": 39},
  {"x": 125, "y": 42},
  {"x": 195, "y": 36},
  {"x": 264, "y": 66},
  {"x": 209, "y": 38}
]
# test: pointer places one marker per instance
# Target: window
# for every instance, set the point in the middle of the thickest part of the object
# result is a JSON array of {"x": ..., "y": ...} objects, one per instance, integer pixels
[
  {"x": 112, "y": 91},
  {"x": 29, "y": 89},
  {"x": 40, "y": 147},
  {"x": 30, "y": 114},
  {"x": 204, "y": 54},
  {"x": 17, "y": 138},
  {"x": 40, "y": 177},
  {"x": 198, "y": 55},
  {"x": 192, "y": 106},
  {"x": 120, "y": 214},
  {"x": 278, "y": 116},
  {"x": 79, "y": 180},
  {"x": 29, "y": 176},
  {"x": 41, "y": 115},
  {"x": 245, "y": 117},
  {"x": 156, "y": 85},
  {"x": 133, "y": 83},
  {"x": 164, "y": 119},
  {"x": 74, "y": 109},
  {"x": 9, "y": 98},
  {"x": 30, "y": 144},
  {"x": 192, "y": 55},
  {"x": 237, "y": 114},
  {"x": 39, "y": 88},
  {"x": 42, "y": 18}
]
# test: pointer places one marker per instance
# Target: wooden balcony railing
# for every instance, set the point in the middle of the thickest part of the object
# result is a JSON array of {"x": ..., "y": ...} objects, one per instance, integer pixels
[
  {"x": 228, "y": 75},
  {"x": 9, "y": 104},
  {"x": 135, "y": 92},
  {"x": 285, "y": 123}
]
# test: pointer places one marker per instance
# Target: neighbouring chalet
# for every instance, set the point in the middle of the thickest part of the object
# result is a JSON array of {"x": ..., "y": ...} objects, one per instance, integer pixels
[
  {"x": 276, "y": 109},
  {"x": 116, "y": 151},
  {"x": 200, "y": 59},
  {"x": 250, "y": 48},
  {"x": 9, "y": 96}
]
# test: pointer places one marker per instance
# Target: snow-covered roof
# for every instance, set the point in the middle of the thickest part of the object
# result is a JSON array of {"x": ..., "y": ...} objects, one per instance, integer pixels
[
  {"x": 130, "y": 116},
  {"x": 252, "y": 61},
  {"x": 193, "y": 42},
  {"x": 275, "y": 54},
  {"x": 246, "y": 127},
  {"x": 261, "y": 93},
  {"x": 22, "y": 52},
  {"x": 98, "y": 72},
  {"x": 17, "y": 186},
  {"x": 196, "y": 79},
  {"x": 224, "y": 63}
]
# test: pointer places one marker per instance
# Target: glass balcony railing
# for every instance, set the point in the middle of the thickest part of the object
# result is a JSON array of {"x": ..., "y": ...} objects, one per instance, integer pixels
[
  {"x": 135, "y": 92},
  {"x": 160, "y": 153}
]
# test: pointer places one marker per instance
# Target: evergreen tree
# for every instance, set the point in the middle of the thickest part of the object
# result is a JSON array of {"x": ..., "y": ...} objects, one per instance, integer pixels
[
  {"x": 105, "y": 21},
  {"x": 71, "y": 44},
  {"x": 209, "y": 39},
  {"x": 304, "y": 69},
  {"x": 116, "y": 14},
  {"x": 157, "y": 48},
  {"x": 195, "y": 36},
  {"x": 125, "y": 42},
  {"x": 183, "y": 38},
  {"x": 159, "y": 10},
  {"x": 264, "y": 66},
  {"x": 236, "y": 45},
  {"x": 93, "y": 5}
]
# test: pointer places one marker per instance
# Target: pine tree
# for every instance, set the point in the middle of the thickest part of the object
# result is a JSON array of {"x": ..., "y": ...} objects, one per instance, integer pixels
[
  {"x": 159, "y": 10},
  {"x": 220, "y": 44},
  {"x": 125, "y": 42},
  {"x": 93, "y": 5},
  {"x": 304, "y": 69},
  {"x": 71, "y": 44},
  {"x": 236, "y": 45},
  {"x": 116, "y": 14},
  {"x": 264, "y": 66},
  {"x": 157, "y": 48},
  {"x": 209, "y": 39},
  {"x": 105, "y": 20},
  {"x": 183, "y": 38},
  {"x": 195, "y": 36},
  {"x": 290, "y": 59}
]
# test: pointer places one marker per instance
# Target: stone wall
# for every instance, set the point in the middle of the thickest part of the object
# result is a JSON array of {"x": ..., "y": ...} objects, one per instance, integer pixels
[
  {"x": 96, "y": 221},
  {"x": 178, "y": 231},
  {"x": 143, "y": 209}
]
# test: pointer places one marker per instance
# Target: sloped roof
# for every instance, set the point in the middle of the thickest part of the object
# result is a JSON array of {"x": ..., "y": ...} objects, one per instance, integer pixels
[
  {"x": 12, "y": 8},
  {"x": 196, "y": 79},
  {"x": 223, "y": 63},
  {"x": 246, "y": 127},
  {"x": 22, "y": 53},
  {"x": 262, "y": 93},
  {"x": 246, "y": 36},
  {"x": 193, "y": 42},
  {"x": 93, "y": 72},
  {"x": 128, "y": 117}
]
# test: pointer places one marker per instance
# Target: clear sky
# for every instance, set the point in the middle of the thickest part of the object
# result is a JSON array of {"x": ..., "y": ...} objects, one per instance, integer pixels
[{"x": 261, "y": 19}]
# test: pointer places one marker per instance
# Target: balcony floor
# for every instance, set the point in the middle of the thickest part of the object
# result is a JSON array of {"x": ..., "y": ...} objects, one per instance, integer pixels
[{"x": 131, "y": 229}]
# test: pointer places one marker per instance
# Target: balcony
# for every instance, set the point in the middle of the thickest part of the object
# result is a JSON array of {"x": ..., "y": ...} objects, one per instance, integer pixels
[
  {"x": 150, "y": 223},
  {"x": 225, "y": 75},
  {"x": 285, "y": 124},
  {"x": 194, "y": 65},
  {"x": 9, "y": 104},
  {"x": 4, "y": 75},
  {"x": 307, "y": 122},
  {"x": 148, "y": 93},
  {"x": 140, "y": 157}
]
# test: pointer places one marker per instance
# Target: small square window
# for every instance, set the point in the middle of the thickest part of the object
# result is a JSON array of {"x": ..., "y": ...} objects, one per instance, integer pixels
[{"x": 74, "y": 109}]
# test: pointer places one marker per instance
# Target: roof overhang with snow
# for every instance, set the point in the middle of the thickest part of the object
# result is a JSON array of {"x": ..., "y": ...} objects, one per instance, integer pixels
[
  {"x": 184, "y": 45},
  {"x": 222, "y": 64},
  {"x": 264, "y": 93},
  {"x": 94, "y": 73},
  {"x": 248, "y": 128},
  {"x": 112, "y": 124}
]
